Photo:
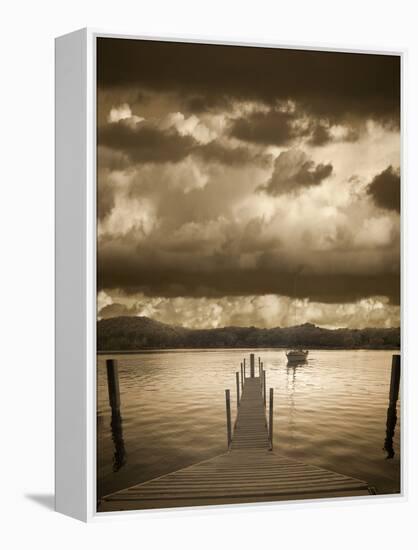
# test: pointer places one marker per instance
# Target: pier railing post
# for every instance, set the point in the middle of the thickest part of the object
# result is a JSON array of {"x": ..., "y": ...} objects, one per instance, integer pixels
[
  {"x": 113, "y": 384},
  {"x": 245, "y": 374},
  {"x": 252, "y": 366},
  {"x": 237, "y": 380},
  {"x": 242, "y": 376},
  {"x": 271, "y": 418},
  {"x": 228, "y": 417},
  {"x": 264, "y": 387}
]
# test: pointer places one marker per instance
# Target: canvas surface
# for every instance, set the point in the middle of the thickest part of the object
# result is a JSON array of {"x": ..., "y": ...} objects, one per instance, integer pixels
[{"x": 248, "y": 274}]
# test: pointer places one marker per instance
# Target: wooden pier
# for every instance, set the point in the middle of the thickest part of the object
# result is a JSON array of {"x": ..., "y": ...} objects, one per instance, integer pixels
[{"x": 250, "y": 471}]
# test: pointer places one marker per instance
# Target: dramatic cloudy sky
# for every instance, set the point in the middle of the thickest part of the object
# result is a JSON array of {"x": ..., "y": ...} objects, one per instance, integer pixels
[{"x": 248, "y": 186}]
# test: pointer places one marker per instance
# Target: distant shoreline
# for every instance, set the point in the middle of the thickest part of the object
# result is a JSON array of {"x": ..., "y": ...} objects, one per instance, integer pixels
[
  {"x": 281, "y": 348},
  {"x": 135, "y": 334}
]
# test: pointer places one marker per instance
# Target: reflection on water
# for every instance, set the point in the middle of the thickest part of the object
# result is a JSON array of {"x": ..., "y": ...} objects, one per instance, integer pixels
[
  {"x": 291, "y": 362},
  {"x": 391, "y": 420},
  {"x": 119, "y": 456},
  {"x": 330, "y": 411}
]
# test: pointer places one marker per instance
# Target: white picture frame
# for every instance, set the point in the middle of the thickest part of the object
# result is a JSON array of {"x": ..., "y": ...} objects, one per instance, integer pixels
[{"x": 75, "y": 174}]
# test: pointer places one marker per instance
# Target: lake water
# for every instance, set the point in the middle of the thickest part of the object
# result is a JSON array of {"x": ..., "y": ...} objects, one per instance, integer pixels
[{"x": 330, "y": 412}]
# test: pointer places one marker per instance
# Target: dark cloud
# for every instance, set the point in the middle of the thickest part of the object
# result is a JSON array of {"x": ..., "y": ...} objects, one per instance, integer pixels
[
  {"x": 105, "y": 199},
  {"x": 143, "y": 142},
  {"x": 210, "y": 264},
  {"x": 281, "y": 128},
  {"x": 385, "y": 188},
  {"x": 202, "y": 103},
  {"x": 294, "y": 170},
  {"x": 110, "y": 160},
  {"x": 134, "y": 273},
  {"x": 324, "y": 83},
  {"x": 320, "y": 133},
  {"x": 215, "y": 152},
  {"x": 265, "y": 128}
]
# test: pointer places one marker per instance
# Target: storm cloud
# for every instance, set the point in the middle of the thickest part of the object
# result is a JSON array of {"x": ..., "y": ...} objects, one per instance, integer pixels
[
  {"x": 325, "y": 83},
  {"x": 145, "y": 143},
  {"x": 236, "y": 184},
  {"x": 282, "y": 128},
  {"x": 385, "y": 188},
  {"x": 293, "y": 170},
  {"x": 265, "y": 128}
]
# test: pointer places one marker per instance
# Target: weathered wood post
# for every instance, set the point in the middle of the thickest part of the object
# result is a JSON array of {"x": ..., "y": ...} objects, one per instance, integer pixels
[
  {"x": 395, "y": 379},
  {"x": 245, "y": 374},
  {"x": 252, "y": 365},
  {"x": 228, "y": 417},
  {"x": 119, "y": 457},
  {"x": 237, "y": 380},
  {"x": 242, "y": 376},
  {"x": 264, "y": 387},
  {"x": 113, "y": 384},
  {"x": 271, "y": 418},
  {"x": 391, "y": 419}
]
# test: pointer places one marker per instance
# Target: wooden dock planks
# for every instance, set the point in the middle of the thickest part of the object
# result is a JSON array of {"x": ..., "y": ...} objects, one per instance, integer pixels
[
  {"x": 250, "y": 430},
  {"x": 249, "y": 472},
  {"x": 240, "y": 475}
]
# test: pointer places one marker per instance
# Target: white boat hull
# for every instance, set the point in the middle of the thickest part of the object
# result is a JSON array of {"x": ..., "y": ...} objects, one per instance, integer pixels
[{"x": 297, "y": 355}]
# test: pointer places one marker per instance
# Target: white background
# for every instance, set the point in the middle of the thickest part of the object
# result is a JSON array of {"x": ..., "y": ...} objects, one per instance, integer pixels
[{"x": 27, "y": 282}]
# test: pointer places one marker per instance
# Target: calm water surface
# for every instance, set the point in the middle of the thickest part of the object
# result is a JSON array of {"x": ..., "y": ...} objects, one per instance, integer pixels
[{"x": 331, "y": 412}]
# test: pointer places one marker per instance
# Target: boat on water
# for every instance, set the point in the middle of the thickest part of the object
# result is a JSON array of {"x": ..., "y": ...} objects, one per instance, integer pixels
[{"x": 297, "y": 355}]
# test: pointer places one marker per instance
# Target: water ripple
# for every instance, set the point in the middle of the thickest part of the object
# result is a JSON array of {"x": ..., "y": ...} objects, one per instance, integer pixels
[{"x": 330, "y": 412}]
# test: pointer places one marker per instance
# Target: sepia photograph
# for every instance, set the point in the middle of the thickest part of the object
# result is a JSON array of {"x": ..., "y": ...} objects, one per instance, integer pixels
[{"x": 248, "y": 274}]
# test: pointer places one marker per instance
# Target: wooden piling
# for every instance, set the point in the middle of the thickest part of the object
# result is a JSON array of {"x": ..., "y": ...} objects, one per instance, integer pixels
[
  {"x": 113, "y": 384},
  {"x": 264, "y": 387},
  {"x": 245, "y": 374},
  {"x": 252, "y": 366},
  {"x": 237, "y": 380},
  {"x": 228, "y": 417},
  {"x": 395, "y": 379},
  {"x": 242, "y": 376},
  {"x": 392, "y": 418},
  {"x": 271, "y": 418}
]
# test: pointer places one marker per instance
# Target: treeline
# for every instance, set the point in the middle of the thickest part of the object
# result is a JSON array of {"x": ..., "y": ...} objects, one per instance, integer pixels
[{"x": 135, "y": 333}]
